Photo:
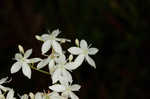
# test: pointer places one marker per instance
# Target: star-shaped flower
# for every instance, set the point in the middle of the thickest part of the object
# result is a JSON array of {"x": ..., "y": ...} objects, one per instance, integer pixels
[
  {"x": 23, "y": 62},
  {"x": 83, "y": 52},
  {"x": 51, "y": 40},
  {"x": 66, "y": 90}
]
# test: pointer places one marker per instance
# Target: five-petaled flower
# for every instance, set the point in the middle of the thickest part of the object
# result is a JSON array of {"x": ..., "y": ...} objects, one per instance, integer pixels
[
  {"x": 23, "y": 62},
  {"x": 83, "y": 51},
  {"x": 51, "y": 40}
]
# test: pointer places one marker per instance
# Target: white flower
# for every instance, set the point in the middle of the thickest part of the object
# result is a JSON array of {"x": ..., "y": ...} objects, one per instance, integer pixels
[
  {"x": 83, "y": 51},
  {"x": 61, "y": 73},
  {"x": 51, "y": 40},
  {"x": 10, "y": 94},
  {"x": 2, "y": 81},
  {"x": 67, "y": 90},
  {"x": 23, "y": 62}
]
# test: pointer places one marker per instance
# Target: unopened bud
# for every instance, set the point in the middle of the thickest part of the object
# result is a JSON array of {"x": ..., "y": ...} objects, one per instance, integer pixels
[
  {"x": 31, "y": 95},
  {"x": 77, "y": 42},
  {"x": 21, "y": 49},
  {"x": 38, "y": 37},
  {"x": 70, "y": 57}
]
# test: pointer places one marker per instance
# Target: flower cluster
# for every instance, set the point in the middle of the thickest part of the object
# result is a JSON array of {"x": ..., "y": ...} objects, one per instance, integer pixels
[{"x": 59, "y": 66}]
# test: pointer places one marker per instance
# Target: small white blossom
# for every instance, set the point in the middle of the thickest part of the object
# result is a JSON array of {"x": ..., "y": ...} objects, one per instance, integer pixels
[
  {"x": 66, "y": 90},
  {"x": 51, "y": 40},
  {"x": 23, "y": 62},
  {"x": 83, "y": 51}
]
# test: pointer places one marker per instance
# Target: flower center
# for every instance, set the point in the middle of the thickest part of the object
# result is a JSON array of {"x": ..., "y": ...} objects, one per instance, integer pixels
[{"x": 85, "y": 51}]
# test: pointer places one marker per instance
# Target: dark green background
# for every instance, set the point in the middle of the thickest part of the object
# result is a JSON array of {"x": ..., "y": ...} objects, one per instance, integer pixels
[{"x": 119, "y": 28}]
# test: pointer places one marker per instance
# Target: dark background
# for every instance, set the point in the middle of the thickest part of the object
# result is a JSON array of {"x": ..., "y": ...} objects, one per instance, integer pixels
[{"x": 119, "y": 28}]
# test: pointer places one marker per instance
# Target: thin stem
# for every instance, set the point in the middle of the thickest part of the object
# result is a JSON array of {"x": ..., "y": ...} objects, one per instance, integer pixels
[{"x": 42, "y": 71}]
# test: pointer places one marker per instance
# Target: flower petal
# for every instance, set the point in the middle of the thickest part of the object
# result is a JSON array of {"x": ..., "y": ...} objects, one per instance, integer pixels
[
  {"x": 65, "y": 77},
  {"x": 55, "y": 32},
  {"x": 79, "y": 60},
  {"x": 3, "y": 80},
  {"x": 15, "y": 67},
  {"x": 56, "y": 76},
  {"x": 71, "y": 66},
  {"x": 75, "y": 87},
  {"x": 18, "y": 56},
  {"x": 34, "y": 60},
  {"x": 83, "y": 44},
  {"x": 75, "y": 50},
  {"x": 28, "y": 53},
  {"x": 26, "y": 70},
  {"x": 10, "y": 94},
  {"x": 73, "y": 96},
  {"x": 45, "y": 37},
  {"x": 46, "y": 46},
  {"x": 90, "y": 61},
  {"x": 57, "y": 47},
  {"x": 57, "y": 88},
  {"x": 43, "y": 63},
  {"x": 93, "y": 51},
  {"x": 38, "y": 95}
]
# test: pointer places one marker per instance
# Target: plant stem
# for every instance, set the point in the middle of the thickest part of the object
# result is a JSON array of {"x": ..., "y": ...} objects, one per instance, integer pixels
[{"x": 42, "y": 71}]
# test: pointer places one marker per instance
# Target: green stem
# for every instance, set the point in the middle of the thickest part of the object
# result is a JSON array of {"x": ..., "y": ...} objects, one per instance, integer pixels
[{"x": 42, "y": 71}]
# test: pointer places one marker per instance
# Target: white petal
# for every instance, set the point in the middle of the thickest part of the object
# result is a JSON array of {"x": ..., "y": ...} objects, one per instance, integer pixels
[
  {"x": 57, "y": 47},
  {"x": 71, "y": 66},
  {"x": 51, "y": 64},
  {"x": 28, "y": 53},
  {"x": 93, "y": 51},
  {"x": 75, "y": 87},
  {"x": 2, "y": 96},
  {"x": 43, "y": 63},
  {"x": 83, "y": 44},
  {"x": 90, "y": 61},
  {"x": 4, "y": 88},
  {"x": 15, "y": 67},
  {"x": 45, "y": 37},
  {"x": 65, "y": 77},
  {"x": 46, "y": 46},
  {"x": 10, "y": 94},
  {"x": 55, "y": 32},
  {"x": 38, "y": 95},
  {"x": 65, "y": 94},
  {"x": 26, "y": 70},
  {"x": 75, "y": 50},
  {"x": 79, "y": 60},
  {"x": 34, "y": 60},
  {"x": 25, "y": 96},
  {"x": 56, "y": 76},
  {"x": 18, "y": 56},
  {"x": 57, "y": 88},
  {"x": 73, "y": 96},
  {"x": 3, "y": 80}
]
